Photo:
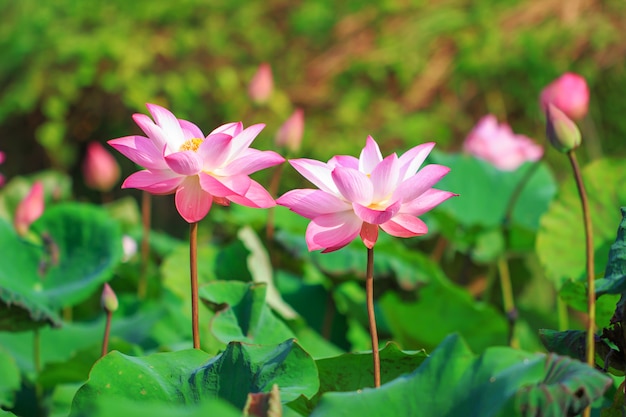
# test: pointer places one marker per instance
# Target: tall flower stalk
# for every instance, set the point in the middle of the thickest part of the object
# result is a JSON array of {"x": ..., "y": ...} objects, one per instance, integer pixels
[
  {"x": 357, "y": 196},
  {"x": 200, "y": 170}
]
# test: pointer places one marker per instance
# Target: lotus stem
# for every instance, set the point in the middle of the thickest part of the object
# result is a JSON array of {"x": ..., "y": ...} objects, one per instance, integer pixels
[
  {"x": 107, "y": 332},
  {"x": 273, "y": 190},
  {"x": 146, "y": 208},
  {"x": 507, "y": 299},
  {"x": 369, "y": 293},
  {"x": 193, "y": 266}
]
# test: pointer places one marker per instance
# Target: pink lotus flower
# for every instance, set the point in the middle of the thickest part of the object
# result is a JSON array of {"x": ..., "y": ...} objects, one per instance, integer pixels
[
  {"x": 100, "y": 169},
  {"x": 498, "y": 145},
  {"x": 569, "y": 93},
  {"x": 179, "y": 159},
  {"x": 290, "y": 133},
  {"x": 262, "y": 84},
  {"x": 356, "y": 196},
  {"x": 2, "y": 157},
  {"x": 29, "y": 209}
]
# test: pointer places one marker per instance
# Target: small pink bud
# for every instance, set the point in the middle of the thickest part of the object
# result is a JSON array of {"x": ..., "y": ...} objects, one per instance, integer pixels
[
  {"x": 100, "y": 168},
  {"x": 569, "y": 93},
  {"x": 109, "y": 299},
  {"x": 290, "y": 133},
  {"x": 562, "y": 132},
  {"x": 29, "y": 209},
  {"x": 129, "y": 246},
  {"x": 262, "y": 84}
]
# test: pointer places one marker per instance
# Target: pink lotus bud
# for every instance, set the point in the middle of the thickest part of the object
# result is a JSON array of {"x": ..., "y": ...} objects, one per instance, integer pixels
[
  {"x": 109, "y": 299},
  {"x": 569, "y": 93},
  {"x": 290, "y": 133},
  {"x": 498, "y": 145},
  {"x": 29, "y": 209},
  {"x": 100, "y": 168},
  {"x": 562, "y": 132},
  {"x": 262, "y": 84}
]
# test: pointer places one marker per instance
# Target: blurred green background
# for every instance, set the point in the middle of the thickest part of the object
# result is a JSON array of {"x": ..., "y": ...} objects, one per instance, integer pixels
[{"x": 403, "y": 71}]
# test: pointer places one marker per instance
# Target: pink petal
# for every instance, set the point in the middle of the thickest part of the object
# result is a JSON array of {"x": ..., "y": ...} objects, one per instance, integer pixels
[
  {"x": 374, "y": 216},
  {"x": 214, "y": 150},
  {"x": 312, "y": 203},
  {"x": 190, "y": 130},
  {"x": 244, "y": 139},
  {"x": 424, "y": 179},
  {"x": 232, "y": 129},
  {"x": 369, "y": 234},
  {"x": 385, "y": 178},
  {"x": 317, "y": 172},
  {"x": 169, "y": 123},
  {"x": 225, "y": 186},
  {"x": 256, "y": 197},
  {"x": 370, "y": 156},
  {"x": 192, "y": 202},
  {"x": 252, "y": 160},
  {"x": 426, "y": 202},
  {"x": 184, "y": 163},
  {"x": 332, "y": 231},
  {"x": 413, "y": 159},
  {"x": 353, "y": 185},
  {"x": 405, "y": 225},
  {"x": 155, "y": 181},
  {"x": 140, "y": 150},
  {"x": 153, "y": 131},
  {"x": 344, "y": 161}
]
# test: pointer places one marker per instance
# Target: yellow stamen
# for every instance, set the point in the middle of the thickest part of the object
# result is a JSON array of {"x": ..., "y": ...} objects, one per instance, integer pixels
[{"x": 191, "y": 145}]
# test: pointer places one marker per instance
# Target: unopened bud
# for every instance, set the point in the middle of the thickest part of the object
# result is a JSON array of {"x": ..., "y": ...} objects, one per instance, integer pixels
[
  {"x": 100, "y": 168},
  {"x": 29, "y": 209},
  {"x": 569, "y": 93},
  {"x": 109, "y": 299},
  {"x": 262, "y": 84},
  {"x": 290, "y": 133},
  {"x": 562, "y": 132}
]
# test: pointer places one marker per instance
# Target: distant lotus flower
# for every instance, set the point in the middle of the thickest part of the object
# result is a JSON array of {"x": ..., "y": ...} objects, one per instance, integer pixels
[
  {"x": 357, "y": 196},
  {"x": 498, "y": 145},
  {"x": 569, "y": 93},
  {"x": 100, "y": 168},
  {"x": 290, "y": 133},
  {"x": 179, "y": 159},
  {"x": 129, "y": 246},
  {"x": 262, "y": 84},
  {"x": 2, "y": 157},
  {"x": 29, "y": 209}
]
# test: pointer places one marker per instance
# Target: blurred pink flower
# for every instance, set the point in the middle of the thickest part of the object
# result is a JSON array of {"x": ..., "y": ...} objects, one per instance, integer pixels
[
  {"x": 498, "y": 145},
  {"x": 108, "y": 299},
  {"x": 262, "y": 84},
  {"x": 2, "y": 157},
  {"x": 356, "y": 196},
  {"x": 100, "y": 168},
  {"x": 29, "y": 209},
  {"x": 179, "y": 159},
  {"x": 290, "y": 133},
  {"x": 569, "y": 93}
]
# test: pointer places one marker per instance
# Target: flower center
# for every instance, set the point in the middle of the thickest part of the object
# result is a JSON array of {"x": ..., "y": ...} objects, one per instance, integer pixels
[{"x": 191, "y": 145}]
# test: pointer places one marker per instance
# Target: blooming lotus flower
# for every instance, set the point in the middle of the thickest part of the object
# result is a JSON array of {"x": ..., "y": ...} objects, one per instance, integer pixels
[
  {"x": 357, "y": 196},
  {"x": 179, "y": 159},
  {"x": 498, "y": 145},
  {"x": 569, "y": 93},
  {"x": 100, "y": 169},
  {"x": 290, "y": 133},
  {"x": 262, "y": 84},
  {"x": 29, "y": 209}
]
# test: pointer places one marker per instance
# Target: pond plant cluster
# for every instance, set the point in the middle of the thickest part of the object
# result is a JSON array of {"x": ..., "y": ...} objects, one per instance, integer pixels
[{"x": 332, "y": 300}]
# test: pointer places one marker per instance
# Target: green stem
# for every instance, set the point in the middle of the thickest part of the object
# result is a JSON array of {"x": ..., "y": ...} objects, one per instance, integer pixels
[
  {"x": 369, "y": 293},
  {"x": 591, "y": 291},
  {"x": 107, "y": 332},
  {"x": 507, "y": 298},
  {"x": 193, "y": 266},
  {"x": 146, "y": 208},
  {"x": 273, "y": 190}
]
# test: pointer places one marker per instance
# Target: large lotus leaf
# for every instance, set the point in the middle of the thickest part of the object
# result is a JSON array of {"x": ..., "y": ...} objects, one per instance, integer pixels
[
  {"x": 241, "y": 313},
  {"x": 442, "y": 308},
  {"x": 77, "y": 246},
  {"x": 116, "y": 407},
  {"x": 561, "y": 237},
  {"x": 485, "y": 192},
  {"x": 614, "y": 281},
  {"x": 455, "y": 382},
  {"x": 192, "y": 377},
  {"x": 354, "y": 371},
  {"x": 10, "y": 381}
]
